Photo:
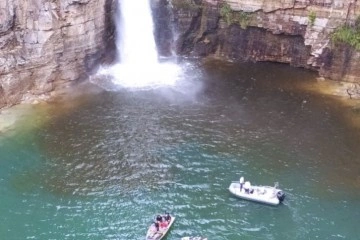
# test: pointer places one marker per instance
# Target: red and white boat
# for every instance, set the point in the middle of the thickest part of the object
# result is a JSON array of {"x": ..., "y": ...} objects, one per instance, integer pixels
[{"x": 159, "y": 228}]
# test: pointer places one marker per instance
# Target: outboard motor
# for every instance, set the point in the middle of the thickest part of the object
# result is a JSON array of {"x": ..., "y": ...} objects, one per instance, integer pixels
[{"x": 280, "y": 195}]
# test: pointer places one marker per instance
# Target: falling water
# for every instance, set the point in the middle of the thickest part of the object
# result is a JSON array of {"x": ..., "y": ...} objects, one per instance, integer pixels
[
  {"x": 138, "y": 66},
  {"x": 135, "y": 40}
]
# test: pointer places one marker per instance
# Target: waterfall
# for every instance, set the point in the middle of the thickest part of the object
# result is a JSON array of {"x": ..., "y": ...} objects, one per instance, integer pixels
[
  {"x": 138, "y": 65},
  {"x": 135, "y": 39}
]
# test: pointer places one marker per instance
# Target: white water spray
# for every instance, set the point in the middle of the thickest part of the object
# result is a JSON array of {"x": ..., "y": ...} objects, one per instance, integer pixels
[
  {"x": 135, "y": 40},
  {"x": 138, "y": 65}
]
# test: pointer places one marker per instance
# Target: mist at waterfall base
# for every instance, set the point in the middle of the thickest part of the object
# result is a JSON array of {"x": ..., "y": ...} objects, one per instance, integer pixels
[{"x": 138, "y": 66}]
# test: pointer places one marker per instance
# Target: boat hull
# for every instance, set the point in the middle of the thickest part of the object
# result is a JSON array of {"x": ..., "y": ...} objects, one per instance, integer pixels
[{"x": 261, "y": 194}]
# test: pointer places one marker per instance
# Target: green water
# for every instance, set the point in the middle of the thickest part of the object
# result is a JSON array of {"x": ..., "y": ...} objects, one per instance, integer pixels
[{"x": 102, "y": 169}]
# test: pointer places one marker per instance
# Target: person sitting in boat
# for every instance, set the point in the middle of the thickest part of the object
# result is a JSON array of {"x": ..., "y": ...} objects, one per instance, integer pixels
[
  {"x": 157, "y": 226},
  {"x": 167, "y": 217},
  {"x": 159, "y": 218},
  {"x": 158, "y": 221},
  {"x": 247, "y": 187},
  {"x": 241, "y": 183}
]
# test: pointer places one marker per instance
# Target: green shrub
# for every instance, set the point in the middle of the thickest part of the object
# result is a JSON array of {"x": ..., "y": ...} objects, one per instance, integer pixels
[
  {"x": 226, "y": 13},
  {"x": 312, "y": 17},
  {"x": 347, "y": 34},
  {"x": 243, "y": 19},
  {"x": 230, "y": 16}
]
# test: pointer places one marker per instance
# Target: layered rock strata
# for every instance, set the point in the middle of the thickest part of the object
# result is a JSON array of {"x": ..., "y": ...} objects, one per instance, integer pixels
[
  {"x": 48, "y": 43},
  {"x": 297, "y": 32},
  {"x": 45, "y": 44}
]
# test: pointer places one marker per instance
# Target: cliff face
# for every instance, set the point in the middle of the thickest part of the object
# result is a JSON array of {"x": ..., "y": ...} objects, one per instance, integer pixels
[
  {"x": 48, "y": 43},
  {"x": 45, "y": 44},
  {"x": 297, "y": 32}
]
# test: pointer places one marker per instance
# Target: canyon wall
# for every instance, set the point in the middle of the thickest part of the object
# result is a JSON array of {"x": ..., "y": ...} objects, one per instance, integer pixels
[
  {"x": 45, "y": 44},
  {"x": 297, "y": 32}
]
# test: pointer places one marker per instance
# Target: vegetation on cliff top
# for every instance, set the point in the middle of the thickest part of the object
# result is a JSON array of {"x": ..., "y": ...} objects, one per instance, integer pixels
[{"x": 349, "y": 34}]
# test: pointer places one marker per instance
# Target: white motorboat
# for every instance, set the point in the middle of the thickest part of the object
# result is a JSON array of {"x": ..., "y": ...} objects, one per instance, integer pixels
[{"x": 263, "y": 194}]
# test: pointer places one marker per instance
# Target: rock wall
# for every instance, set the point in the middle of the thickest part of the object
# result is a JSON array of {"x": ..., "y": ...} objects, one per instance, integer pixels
[
  {"x": 297, "y": 32},
  {"x": 164, "y": 32},
  {"x": 48, "y": 44},
  {"x": 45, "y": 44}
]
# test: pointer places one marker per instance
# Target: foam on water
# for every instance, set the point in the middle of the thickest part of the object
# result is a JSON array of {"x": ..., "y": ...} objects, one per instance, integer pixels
[{"x": 144, "y": 77}]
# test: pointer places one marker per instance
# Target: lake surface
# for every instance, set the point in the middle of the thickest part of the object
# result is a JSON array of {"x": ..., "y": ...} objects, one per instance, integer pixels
[{"x": 102, "y": 164}]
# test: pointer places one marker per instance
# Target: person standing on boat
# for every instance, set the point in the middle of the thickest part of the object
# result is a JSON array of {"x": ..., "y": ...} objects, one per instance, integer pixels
[{"x": 241, "y": 183}]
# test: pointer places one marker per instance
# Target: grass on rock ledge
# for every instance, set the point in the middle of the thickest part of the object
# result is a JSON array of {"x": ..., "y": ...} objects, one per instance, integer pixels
[{"x": 349, "y": 34}]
